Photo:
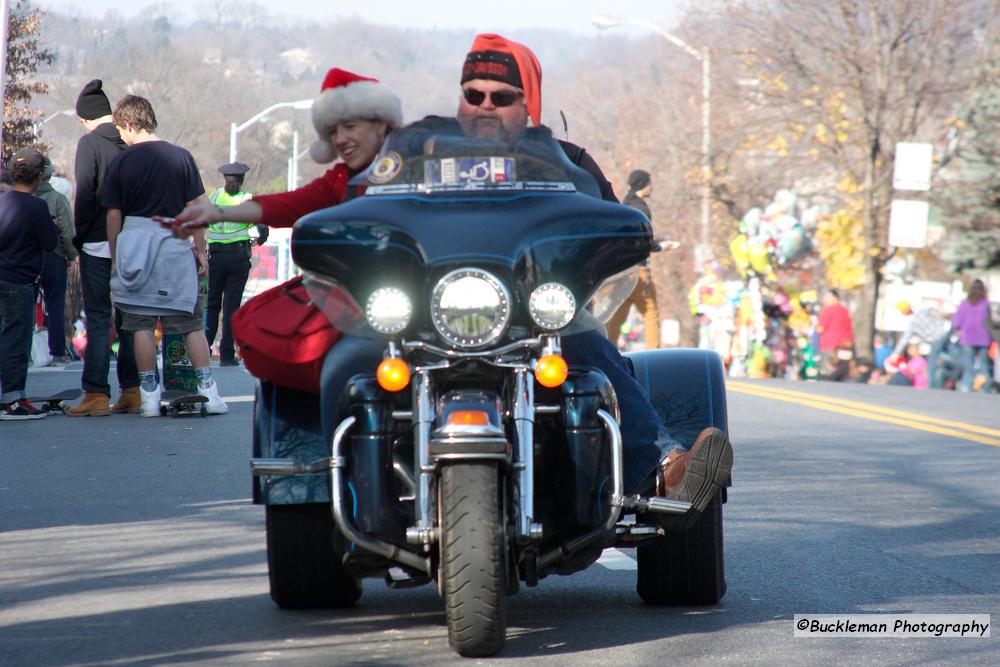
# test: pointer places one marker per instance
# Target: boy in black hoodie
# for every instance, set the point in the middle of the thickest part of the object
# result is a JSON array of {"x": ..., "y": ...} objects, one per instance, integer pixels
[
  {"x": 26, "y": 230},
  {"x": 94, "y": 152}
]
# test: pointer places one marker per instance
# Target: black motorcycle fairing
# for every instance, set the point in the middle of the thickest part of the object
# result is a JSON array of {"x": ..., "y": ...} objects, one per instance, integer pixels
[{"x": 526, "y": 239}]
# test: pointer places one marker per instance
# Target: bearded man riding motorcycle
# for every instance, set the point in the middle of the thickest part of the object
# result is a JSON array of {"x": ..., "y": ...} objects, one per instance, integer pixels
[{"x": 501, "y": 90}]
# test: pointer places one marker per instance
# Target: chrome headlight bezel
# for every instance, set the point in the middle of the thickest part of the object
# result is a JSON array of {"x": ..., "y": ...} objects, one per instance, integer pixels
[
  {"x": 388, "y": 310},
  {"x": 550, "y": 319},
  {"x": 501, "y": 307}
]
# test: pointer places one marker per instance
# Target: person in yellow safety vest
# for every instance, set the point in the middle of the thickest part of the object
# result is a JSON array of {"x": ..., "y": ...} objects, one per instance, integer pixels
[{"x": 229, "y": 246}]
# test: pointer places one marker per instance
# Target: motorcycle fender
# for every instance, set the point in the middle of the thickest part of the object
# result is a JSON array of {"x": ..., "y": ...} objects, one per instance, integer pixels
[
  {"x": 687, "y": 389},
  {"x": 456, "y": 441}
]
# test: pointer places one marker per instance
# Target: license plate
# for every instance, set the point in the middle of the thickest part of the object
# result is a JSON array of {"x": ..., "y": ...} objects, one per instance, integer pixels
[{"x": 467, "y": 171}]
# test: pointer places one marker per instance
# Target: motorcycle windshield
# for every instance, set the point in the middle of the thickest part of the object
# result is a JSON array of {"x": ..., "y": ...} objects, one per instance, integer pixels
[
  {"x": 434, "y": 156},
  {"x": 523, "y": 215}
]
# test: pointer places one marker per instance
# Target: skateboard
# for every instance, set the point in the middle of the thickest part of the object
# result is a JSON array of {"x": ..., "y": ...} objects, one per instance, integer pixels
[
  {"x": 178, "y": 371},
  {"x": 54, "y": 403},
  {"x": 175, "y": 402}
]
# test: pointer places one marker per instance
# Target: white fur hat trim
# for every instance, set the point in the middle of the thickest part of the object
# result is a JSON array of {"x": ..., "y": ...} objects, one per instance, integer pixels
[{"x": 360, "y": 100}]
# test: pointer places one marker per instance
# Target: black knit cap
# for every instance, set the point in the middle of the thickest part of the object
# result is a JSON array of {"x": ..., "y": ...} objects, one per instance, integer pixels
[
  {"x": 637, "y": 180},
  {"x": 92, "y": 102},
  {"x": 492, "y": 65}
]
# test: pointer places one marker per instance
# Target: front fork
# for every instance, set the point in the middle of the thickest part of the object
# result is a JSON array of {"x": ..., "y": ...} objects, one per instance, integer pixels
[{"x": 527, "y": 530}]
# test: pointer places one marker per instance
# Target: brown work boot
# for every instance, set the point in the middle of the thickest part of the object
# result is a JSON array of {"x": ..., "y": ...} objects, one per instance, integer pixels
[
  {"x": 696, "y": 475},
  {"x": 128, "y": 402},
  {"x": 92, "y": 405}
]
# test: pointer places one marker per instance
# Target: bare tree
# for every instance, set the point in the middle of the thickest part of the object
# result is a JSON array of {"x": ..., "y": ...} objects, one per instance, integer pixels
[
  {"x": 858, "y": 76},
  {"x": 24, "y": 56}
]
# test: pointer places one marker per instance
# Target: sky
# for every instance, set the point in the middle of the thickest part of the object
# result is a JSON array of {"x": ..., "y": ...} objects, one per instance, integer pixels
[{"x": 573, "y": 15}]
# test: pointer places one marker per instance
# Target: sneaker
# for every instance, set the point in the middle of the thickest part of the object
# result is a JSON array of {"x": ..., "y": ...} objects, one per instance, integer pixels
[
  {"x": 19, "y": 410},
  {"x": 149, "y": 402},
  {"x": 215, "y": 405},
  {"x": 696, "y": 475},
  {"x": 62, "y": 361}
]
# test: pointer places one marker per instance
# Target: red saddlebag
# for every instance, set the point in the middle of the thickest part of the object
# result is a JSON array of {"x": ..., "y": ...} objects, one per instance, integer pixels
[{"x": 283, "y": 337}]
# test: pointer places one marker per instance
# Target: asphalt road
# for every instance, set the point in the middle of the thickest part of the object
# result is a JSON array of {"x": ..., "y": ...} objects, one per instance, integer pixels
[{"x": 129, "y": 541}]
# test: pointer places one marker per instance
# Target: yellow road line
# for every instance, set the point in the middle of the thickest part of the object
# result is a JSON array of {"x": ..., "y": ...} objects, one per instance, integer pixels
[
  {"x": 911, "y": 420},
  {"x": 867, "y": 406}
]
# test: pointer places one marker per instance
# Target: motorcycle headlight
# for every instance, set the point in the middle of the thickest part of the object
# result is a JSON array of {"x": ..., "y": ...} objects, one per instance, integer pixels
[
  {"x": 388, "y": 310},
  {"x": 470, "y": 307},
  {"x": 552, "y": 306}
]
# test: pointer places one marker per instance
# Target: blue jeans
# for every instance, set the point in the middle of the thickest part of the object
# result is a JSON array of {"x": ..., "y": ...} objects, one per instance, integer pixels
[
  {"x": 933, "y": 376},
  {"x": 645, "y": 438},
  {"x": 95, "y": 276},
  {"x": 54, "y": 294},
  {"x": 17, "y": 310},
  {"x": 973, "y": 364}
]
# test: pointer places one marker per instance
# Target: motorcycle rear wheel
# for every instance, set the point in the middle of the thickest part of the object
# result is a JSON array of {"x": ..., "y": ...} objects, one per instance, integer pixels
[
  {"x": 304, "y": 570},
  {"x": 686, "y": 567},
  {"x": 473, "y": 569}
]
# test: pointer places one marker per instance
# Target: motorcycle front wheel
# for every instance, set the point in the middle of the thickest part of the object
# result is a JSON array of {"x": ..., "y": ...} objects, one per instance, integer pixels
[{"x": 473, "y": 571}]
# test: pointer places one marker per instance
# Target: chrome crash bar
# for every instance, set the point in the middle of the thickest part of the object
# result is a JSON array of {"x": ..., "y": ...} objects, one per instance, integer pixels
[
  {"x": 616, "y": 502},
  {"x": 336, "y": 463},
  {"x": 390, "y": 551}
]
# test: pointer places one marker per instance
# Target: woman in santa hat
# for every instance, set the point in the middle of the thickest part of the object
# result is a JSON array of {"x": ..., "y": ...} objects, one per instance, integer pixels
[{"x": 352, "y": 116}]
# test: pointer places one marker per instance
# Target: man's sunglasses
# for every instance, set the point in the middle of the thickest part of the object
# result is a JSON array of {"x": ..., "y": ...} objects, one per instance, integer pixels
[{"x": 500, "y": 98}]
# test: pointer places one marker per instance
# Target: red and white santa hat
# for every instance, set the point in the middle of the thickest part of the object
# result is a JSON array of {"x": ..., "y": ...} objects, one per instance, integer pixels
[{"x": 349, "y": 96}]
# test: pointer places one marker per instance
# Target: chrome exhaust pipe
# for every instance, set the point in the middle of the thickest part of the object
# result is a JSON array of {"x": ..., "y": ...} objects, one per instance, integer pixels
[{"x": 286, "y": 467}]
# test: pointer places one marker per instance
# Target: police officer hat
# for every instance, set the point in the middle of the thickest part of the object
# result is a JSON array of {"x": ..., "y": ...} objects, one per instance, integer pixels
[{"x": 234, "y": 169}]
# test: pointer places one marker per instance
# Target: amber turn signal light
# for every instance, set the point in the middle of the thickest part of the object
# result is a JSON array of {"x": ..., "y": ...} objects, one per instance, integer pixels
[
  {"x": 551, "y": 370},
  {"x": 468, "y": 418},
  {"x": 393, "y": 374}
]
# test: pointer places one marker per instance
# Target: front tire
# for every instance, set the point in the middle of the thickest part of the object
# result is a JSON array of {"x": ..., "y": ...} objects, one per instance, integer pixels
[
  {"x": 687, "y": 566},
  {"x": 472, "y": 558},
  {"x": 304, "y": 570}
]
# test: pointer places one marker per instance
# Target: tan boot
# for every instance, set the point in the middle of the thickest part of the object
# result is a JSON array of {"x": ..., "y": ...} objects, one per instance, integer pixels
[
  {"x": 128, "y": 402},
  {"x": 92, "y": 405},
  {"x": 696, "y": 475}
]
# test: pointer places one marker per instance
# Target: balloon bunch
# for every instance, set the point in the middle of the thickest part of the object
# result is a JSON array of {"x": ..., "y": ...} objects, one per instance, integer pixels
[{"x": 772, "y": 236}]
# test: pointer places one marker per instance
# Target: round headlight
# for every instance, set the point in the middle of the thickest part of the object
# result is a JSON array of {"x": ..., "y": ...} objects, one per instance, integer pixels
[
  {"x": 552, "y": 306},
  {"x": 388, "y": 310},
  {"x": 470, "y": 307}
]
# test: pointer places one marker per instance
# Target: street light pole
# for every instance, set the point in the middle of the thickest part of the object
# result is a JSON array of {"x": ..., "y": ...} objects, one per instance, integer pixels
[
  {"x": 64, "y": 112},
  {"x": 235, "y": 129},
  {"x": 704, "y": 57}
]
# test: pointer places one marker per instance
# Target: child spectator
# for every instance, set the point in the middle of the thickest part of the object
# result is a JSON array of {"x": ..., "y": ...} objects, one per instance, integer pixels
[{"x": 26, "y": 232}]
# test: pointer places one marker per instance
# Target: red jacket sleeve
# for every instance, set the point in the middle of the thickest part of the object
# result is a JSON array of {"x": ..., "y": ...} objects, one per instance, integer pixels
[{"x": 284, "y": 208}]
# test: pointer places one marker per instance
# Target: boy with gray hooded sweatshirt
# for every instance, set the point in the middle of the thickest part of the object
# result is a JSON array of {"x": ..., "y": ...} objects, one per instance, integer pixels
[{"x": 154, "y": 276}]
